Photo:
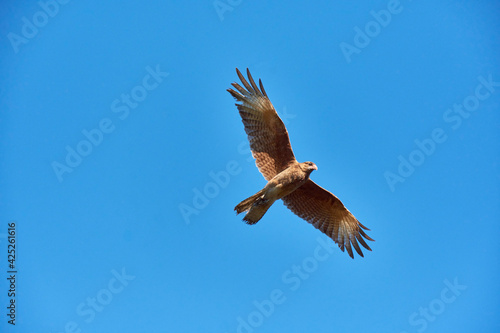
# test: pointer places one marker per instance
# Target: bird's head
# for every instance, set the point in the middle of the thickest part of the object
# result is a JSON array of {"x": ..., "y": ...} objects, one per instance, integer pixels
[{"x": 308, "y": 167}]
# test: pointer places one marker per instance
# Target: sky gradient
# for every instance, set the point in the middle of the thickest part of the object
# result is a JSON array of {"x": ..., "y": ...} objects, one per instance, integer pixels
[{"x": 122, "y": 157}]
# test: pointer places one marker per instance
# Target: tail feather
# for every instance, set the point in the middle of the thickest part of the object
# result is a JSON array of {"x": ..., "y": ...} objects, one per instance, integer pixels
[{"x": 256, "y": 206}]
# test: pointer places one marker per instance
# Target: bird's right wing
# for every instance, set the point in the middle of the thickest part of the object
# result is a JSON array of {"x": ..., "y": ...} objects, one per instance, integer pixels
[
  {"x": 327, "y": 213},
  {"x": 266, "y": 132}
]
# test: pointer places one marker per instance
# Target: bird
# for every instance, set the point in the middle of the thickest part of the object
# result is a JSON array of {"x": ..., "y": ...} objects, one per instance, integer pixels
[{"x": 287, "y": 179}]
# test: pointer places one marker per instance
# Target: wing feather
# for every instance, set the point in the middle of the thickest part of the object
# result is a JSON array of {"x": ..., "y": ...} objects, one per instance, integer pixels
[
  {"x": 245, "y": 83},
  {"x": 252, "y": 82},
  {"x": 266, "y": 132},
  {"x": 327, "y": 213},
  {"x": 262, "y": 88}
]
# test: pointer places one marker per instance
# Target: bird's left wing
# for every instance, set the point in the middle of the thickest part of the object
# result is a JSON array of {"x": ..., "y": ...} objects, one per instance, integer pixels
[
  {"x": 327, "y": 213},
  {"x": 266, "y": 132}
]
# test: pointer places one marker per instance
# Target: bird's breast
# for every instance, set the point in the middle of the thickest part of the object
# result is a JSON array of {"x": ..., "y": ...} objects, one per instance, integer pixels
[{"x": 286, "y": 182}]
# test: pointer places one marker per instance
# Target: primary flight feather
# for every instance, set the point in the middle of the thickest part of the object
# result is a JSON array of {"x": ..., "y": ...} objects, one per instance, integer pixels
[{"x": 288, "y": 179}]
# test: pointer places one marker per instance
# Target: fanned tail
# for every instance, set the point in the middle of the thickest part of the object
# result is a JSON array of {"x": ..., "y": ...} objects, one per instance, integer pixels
[{"x": 256, "y": 206}]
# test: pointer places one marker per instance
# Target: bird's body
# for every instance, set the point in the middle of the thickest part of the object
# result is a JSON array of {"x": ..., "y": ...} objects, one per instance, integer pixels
[
  {"x": 288, "y": 179},
  {"x": 284, "y": 183}
]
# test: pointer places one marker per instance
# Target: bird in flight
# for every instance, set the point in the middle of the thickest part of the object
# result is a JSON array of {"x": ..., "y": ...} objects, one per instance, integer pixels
[{"x": 287, "y": 179}]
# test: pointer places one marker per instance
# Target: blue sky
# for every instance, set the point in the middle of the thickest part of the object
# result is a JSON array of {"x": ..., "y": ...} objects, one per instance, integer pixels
[{"x": 123, "y": 156}]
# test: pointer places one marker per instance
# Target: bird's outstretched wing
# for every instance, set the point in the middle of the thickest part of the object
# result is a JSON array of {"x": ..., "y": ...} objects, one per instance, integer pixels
[
  {"x": 327, "y": 213},
  {"x": 266, "y": 132}
]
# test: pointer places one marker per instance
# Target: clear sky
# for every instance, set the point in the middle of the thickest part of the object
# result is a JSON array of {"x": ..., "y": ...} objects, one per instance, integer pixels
[{"x": 122, "y": 157}]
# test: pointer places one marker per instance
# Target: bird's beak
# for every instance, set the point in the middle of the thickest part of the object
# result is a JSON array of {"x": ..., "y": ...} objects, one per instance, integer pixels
[{"x": 315, "y": 167}]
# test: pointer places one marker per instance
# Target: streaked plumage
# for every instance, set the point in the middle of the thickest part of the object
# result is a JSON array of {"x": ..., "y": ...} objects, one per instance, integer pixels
[{"x": 288, "y": 179}]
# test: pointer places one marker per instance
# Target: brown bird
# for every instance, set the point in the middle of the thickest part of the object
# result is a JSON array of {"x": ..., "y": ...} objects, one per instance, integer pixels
[{"x": 288, "y": 179}]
